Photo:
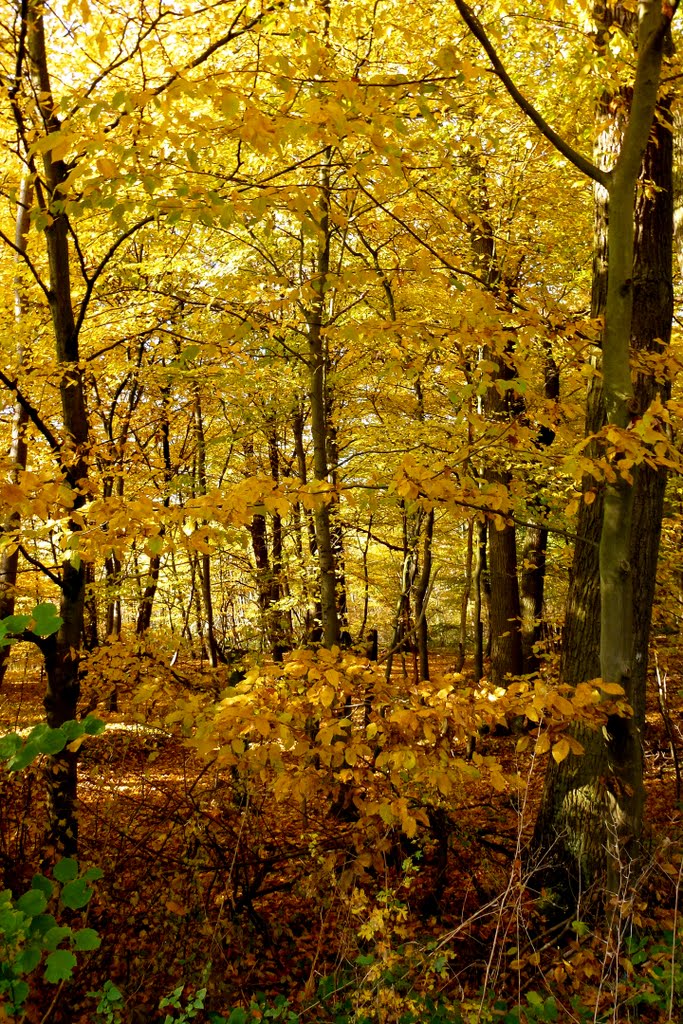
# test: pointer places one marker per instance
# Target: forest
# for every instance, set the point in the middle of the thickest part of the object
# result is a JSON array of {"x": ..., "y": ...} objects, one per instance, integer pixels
[{"x": 341, "y": 574}]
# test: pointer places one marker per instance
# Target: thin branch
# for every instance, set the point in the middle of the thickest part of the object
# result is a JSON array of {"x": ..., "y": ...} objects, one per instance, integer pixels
[
  {"x": 422, "y": 241},
  {"x": 27, "y": 260},
  {"x": 92, "y": 280},
  {"x": 32, "y": 413},
  {"x": 39, "y": 565},
  {"x": 579, "y": 161}
]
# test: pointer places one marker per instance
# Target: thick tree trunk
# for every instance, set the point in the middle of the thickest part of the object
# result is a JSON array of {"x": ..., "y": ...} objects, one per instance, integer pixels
[
  {"x": 62, "y": 655},
  {"x": 591, "y": 811}
]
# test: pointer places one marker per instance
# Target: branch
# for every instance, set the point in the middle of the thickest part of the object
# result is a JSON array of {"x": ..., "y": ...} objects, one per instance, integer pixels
[
  {"x": 413, "y": 234},
  {"x": 32, "y": 413},
  {"x": 39, "y": 565},
  {"x": 92, "y": 280},
  {"x": 27, "y": 260},
  {"x": 581, "y": 162}
]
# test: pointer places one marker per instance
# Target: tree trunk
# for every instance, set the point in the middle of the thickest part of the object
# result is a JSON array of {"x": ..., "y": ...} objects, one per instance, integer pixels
[
  {"x": 317, "y": 363},
  {"x": 62, "y": 655},
  {"x": 591, "y": 811},
  {"x": 9, "y": 560},
  {"x": 480, "y": 589},
  {"x": 205, "y": 569},
  {"x": 144, "y": 619},
  {"x": 422, "y": 596}
]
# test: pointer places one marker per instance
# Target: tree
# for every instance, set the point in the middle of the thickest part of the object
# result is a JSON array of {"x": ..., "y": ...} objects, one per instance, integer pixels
[{"x": 619, "y": 799}]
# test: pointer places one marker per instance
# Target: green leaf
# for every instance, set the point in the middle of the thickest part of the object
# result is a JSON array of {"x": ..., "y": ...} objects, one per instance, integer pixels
[
  {"x": 32, "y": 903},
  {"x": 9, "y": 744},
  {"x": 53, "y": 741},
  {"x": 41, "y": 925},
  {"x": 46, "y": 621},
  {"x": 14, "y": 623},
  {"x": 37, "y": 732},
  {"x": 59, "y": 965},
  {"x": 66, "y": 869},
  {"x": 86, "y": 939},
  {"x": 72, "y": 730},
  {"x": 56, "y": 935},
  {"x": 20, "y": 991},
  {"x": 43, "y": 884},
  {"x": 93, "y": 726},
  {"x": 24, "y": 757},
  {"x": 238, "y": 1016},
  {"x": 28, "y": 960},
  {"x": 76, "y": 894},
  {"x": 92, "y": 874}
]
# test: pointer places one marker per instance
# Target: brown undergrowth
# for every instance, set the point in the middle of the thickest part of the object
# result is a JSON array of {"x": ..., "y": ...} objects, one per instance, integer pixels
[{"x": 245, "y": 855}]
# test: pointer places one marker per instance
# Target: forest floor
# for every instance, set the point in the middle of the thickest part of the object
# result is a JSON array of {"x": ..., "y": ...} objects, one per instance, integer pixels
[{"x": 208, "y": 888}]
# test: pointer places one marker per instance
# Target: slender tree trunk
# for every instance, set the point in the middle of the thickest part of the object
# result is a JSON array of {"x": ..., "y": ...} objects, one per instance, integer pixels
[
  {"x": 205, "y": 570},
  {"x": 317, "y": 363},
  {"x": 316, "y": 616},
  {"x": 480, "y": 591},
  {"x": 9, "y": 560},
  {"x": 465, "y": 600},
  {"x": 532, "y": 583},
  {"x": 146, "y": 607},
  {"x": 422, "y": 595}
]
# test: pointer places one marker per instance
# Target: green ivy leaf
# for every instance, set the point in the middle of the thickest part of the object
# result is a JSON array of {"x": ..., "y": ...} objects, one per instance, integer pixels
[{"x": 59, "y": 965}]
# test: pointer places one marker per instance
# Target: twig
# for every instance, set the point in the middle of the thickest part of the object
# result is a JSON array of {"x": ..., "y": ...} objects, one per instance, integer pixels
[{"x": 666, "y": 718}]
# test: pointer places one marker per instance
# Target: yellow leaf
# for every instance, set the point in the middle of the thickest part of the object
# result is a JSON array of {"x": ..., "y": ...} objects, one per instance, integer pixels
[
  {"x": 564, "y": 706},
  {"x": 327, "y": 695},
  {"x": 107, "y": 167},
  {"x": 561, "y": 749},
  {"x": 612, "y": 689},
  {"x": 543, "y": 745}
]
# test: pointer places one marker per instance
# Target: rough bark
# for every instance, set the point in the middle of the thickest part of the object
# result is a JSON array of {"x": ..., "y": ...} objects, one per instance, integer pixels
[
  {"x": 62, "y": 653},
  {"x": 592, "y": 806}
]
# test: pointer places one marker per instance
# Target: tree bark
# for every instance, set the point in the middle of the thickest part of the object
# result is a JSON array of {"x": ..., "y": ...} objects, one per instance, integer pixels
[
  {"x": 62, "y": 654},
  {"x": 317, "y": 364},
  {"x": 591, "y": 811},
  {"x": 9, "y": 561}
]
